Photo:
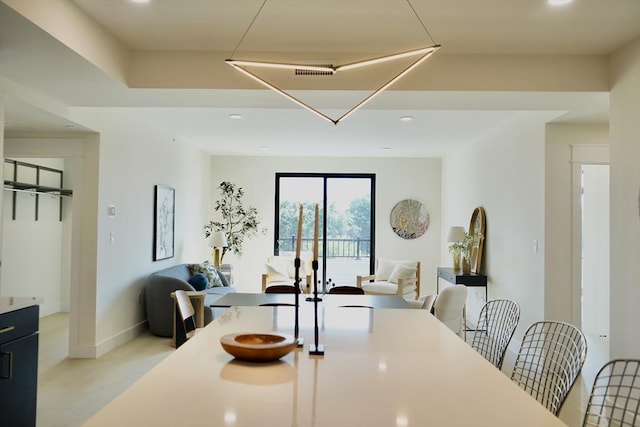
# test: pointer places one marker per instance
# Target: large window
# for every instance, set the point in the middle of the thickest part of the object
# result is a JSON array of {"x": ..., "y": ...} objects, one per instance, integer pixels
[{"x": 346, "y": 217}]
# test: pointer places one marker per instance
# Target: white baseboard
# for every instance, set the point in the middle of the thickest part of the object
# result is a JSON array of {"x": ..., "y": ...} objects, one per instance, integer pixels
[
  {"x": 95, "y": 351},
  {"x": 121, "y": 338},
  {"x": 82, "y": 351}
]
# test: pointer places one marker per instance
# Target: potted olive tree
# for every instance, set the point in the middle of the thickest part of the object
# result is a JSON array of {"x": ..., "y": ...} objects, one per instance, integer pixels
[{"x": 238, "y": 222}]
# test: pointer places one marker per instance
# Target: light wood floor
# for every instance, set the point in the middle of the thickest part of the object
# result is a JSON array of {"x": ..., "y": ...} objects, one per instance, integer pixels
[{"x": 71, "y": 390}]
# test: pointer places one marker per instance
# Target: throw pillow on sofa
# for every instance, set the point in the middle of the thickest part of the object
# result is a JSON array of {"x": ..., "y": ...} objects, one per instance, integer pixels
[
  {"x": 199, "y": 281},
  {"x": 216, "y": 282},
  {"x": 208, "y": 270}
]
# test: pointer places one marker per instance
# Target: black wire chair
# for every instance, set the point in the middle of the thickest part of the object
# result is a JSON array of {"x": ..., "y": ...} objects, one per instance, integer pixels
[
  {"x": 550, "y": 359},
  {"x": 615, "y": 396},
  {"x": 496, "y": 325}
]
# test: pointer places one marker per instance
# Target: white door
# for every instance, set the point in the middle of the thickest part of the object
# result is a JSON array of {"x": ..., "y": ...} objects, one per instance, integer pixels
[{"x": 595, "y": 250}]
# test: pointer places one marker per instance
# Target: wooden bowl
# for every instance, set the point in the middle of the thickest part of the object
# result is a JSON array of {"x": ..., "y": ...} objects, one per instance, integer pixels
[{"x": 256, "y": 347}]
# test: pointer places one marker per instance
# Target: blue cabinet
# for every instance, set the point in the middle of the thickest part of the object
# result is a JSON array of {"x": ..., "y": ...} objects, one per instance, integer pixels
[{"x": 19, "y": 367}]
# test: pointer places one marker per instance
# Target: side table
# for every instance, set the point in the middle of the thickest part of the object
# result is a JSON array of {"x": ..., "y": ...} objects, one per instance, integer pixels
[
  {"x": 197, "y": 300},
  {"x": 458, "y": 278}
]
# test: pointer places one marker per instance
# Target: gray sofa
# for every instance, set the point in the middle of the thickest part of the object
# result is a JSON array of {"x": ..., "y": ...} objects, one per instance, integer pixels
[{"x": 158, "y": 297}]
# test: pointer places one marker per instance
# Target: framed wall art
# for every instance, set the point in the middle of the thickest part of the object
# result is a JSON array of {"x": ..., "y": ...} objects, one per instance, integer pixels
[
  {"x": 163, "y": 224},
  {"x": 409, "y": 219}
]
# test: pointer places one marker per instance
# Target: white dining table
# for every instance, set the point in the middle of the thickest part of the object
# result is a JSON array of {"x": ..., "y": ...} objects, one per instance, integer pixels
[{"x": 381, "y": 367}]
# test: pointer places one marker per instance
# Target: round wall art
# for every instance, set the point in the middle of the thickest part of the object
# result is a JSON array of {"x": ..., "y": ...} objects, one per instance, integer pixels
[{"x": 409, "y": 219}]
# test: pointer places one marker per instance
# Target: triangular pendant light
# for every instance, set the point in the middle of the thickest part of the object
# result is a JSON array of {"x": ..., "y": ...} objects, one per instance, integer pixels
[{"x": 244, "y": 66}]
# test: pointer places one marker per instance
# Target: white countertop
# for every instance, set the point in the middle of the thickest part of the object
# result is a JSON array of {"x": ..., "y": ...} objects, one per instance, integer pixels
[
  {"x": 8, "y": 304},
  {"x": 381, "y": 367}
]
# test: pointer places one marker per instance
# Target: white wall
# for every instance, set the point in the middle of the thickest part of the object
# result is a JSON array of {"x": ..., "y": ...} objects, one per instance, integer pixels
[
  {"x": 133, "y": 159},
  {"x": 120, "y": 165},
  {"x": 396, "y": 179},
  {"x": 34, "y": 252},
  {"x": 625, "y": 203},
  {"x": 503, "y": 172},
  {"x": 80, "y": 152},
  {"x": 72, "y": 167}
]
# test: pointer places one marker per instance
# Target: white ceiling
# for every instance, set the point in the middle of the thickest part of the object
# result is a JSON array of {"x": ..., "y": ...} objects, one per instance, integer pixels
[
  {"x": 273, "y": 126},
  {"x": 461, "y": 26}
]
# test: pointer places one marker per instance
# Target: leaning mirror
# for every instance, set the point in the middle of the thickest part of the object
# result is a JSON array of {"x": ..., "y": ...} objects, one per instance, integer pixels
[{"x": 477, "y": 230}]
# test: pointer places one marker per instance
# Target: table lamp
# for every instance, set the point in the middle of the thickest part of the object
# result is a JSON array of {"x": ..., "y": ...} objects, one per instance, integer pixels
[{"x": 217, "y": 242}]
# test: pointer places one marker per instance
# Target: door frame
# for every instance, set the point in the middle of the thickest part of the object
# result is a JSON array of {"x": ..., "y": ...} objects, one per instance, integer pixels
[
  {"x": 325, "y": 177},
  {"x": 581, "y": 154}
]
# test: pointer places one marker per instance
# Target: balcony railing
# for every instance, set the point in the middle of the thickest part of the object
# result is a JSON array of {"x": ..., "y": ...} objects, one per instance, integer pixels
[{"x": 336, "y": 248}]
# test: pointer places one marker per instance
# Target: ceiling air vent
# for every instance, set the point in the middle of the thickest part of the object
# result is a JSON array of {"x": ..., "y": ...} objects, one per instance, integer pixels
[{"x": 299, "y": 72}]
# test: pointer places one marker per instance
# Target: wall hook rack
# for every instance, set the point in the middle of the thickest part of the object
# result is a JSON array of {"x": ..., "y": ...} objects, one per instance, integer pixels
[{"x": 36, "y": 189}]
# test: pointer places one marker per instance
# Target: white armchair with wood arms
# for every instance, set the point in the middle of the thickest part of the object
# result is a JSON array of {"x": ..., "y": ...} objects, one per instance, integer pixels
[
  {"x": 281, "y": 271},
  {"x": 393, "y": 277}
]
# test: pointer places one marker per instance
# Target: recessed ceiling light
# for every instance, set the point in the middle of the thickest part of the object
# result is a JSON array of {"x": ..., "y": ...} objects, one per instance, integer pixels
[
  {"x": 235, "y": 116},
  {"x": 386, "y": 148},
  {"x": 559, "y": 2},
  {"x": 141, "y": 1},
  {"x": 406, "y": 118}
]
